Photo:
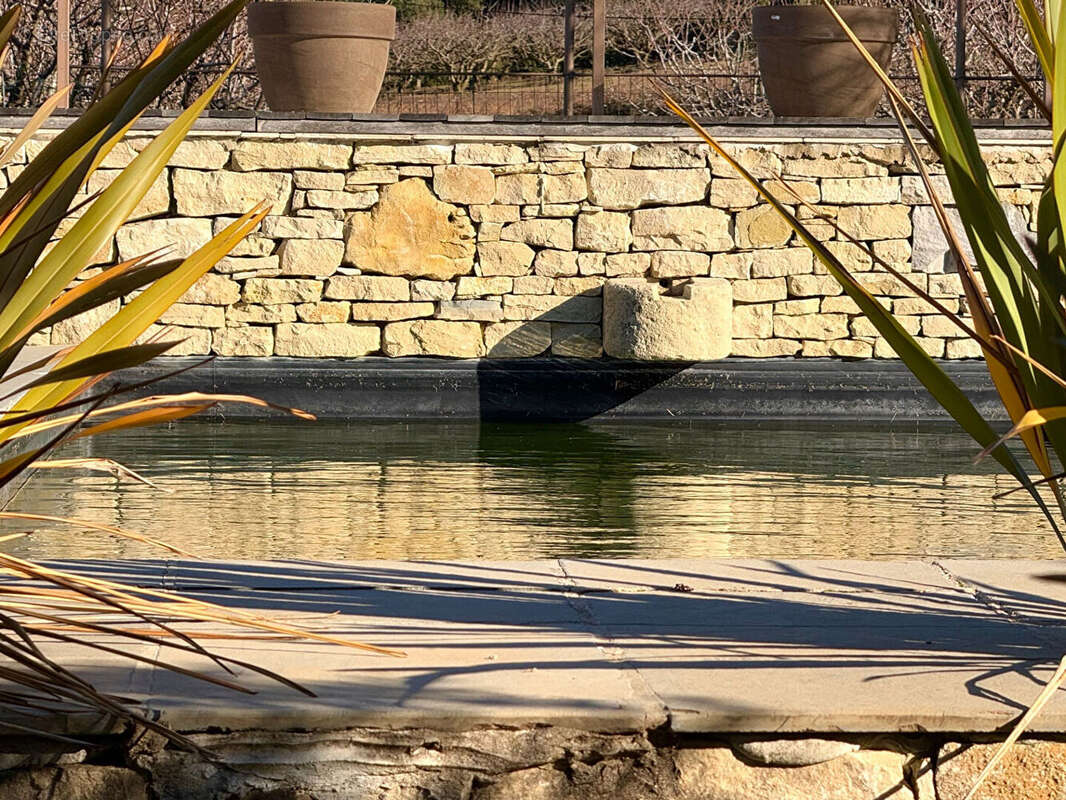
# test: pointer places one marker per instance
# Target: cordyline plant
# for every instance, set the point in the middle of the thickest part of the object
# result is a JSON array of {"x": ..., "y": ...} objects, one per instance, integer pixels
[
  {"x": 1015, "y": 288},
  {"x": 59, "y": 398}
]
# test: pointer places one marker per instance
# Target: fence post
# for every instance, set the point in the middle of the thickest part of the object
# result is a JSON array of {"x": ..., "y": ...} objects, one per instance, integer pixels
[
  {"x": 105, "y": 42},
  {"x": 960, "y": 44},
  {"x": 63, "y": 49},
  {"x": 599, "y": 49},
  {"x": 569, "y": 21}
]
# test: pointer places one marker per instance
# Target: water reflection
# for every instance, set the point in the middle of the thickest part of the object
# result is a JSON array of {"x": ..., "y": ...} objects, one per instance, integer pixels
[{"x": 517, "y": 491}]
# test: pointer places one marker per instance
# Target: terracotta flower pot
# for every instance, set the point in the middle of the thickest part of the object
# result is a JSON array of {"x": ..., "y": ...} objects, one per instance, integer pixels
[
  {"x": 810, "y": 68},
  {"x": 321, "y": 56}
]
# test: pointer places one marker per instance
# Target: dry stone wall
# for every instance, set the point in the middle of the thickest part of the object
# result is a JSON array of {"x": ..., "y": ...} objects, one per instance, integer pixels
[{"x": 469, "y": 249}]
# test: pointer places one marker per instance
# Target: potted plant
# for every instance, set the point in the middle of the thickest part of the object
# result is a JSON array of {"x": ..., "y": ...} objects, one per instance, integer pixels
[
  {"x": 314, "y": 55},
  {"x": 809, "y": 67}
]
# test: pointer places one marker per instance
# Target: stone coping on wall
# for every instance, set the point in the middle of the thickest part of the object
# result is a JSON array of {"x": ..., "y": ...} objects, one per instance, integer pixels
[{"x": 585, "y": 129}]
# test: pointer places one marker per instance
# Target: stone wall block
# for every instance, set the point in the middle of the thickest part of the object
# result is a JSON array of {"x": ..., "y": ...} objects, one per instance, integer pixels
[
  {"x": 251, "y": 314},
  {"x": 505, "y": 258},
  {"x": 329, "y": 340},
  {"x": 402, "y": 154},
  {"x": 679, "y": 264},
  {"x": 315, "y": 257},
  {"x": 341, "y": 200},
  {"x": 290, "y": 154},
  {"x": 603, "y": 231},
  {"x": 248, "y": 340},
  {"x": 410, "y": 232},
  {"x": 183, "y": 236},
  {"x": 481, "y": 310},
  {"x": 208, "y": 194},
  {"x": 681, "y": 228},
  {"x": 321, "y": 312},
  {"x": 433, "y": 337},
  {"x": 194, "y": 315},
  {"x": 390, "y": 312},
  {"x": 577, "y": 340},
  {"x": 642, "y": 322},
  {"x": 372, "y": 288},
  {"x": 624, "y": 189},
  {"x": 552, "y": 308},
  {"x": 762, "y": 226},
  {"x": 517, "y": 339},
  {"x": 277, "y": 227},
  {"x": 464, "y": 185},
  {"x": 555, "y": 263},
  {"x": 274, "y": 291},
  {"x": 556, "y": 233},
  {"x": 215, "y": 290},
  {"x": 672, "y": 156},
  {"x": 490, "y": 154}
]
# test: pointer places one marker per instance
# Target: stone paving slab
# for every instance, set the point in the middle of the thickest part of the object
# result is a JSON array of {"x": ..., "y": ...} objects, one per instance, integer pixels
[{"x": 743, "y": 646}]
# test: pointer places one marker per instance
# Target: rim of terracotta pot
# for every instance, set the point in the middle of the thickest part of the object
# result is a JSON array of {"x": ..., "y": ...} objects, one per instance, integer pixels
[
  {"x": 322, "y": 18},
  {"x": 815, "y": 23}
]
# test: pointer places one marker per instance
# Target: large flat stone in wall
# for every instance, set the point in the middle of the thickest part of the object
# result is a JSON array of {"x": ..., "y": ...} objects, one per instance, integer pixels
[
  {"x": 410, "y": 232},
  {"x": 641, "y": 321},
  {"x": 213, "y": 194},
  {"x": 930, "y": 251},
  {"x": 622, "y": 189}
]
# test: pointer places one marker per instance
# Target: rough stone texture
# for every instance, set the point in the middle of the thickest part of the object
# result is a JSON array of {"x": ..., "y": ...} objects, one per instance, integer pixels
[
  {"x": 331, "y": 340},
  {"x": 684, "y": 228},
  {"x": 289, "y": 155},
  {"x": 242, "y": 314},
  {"x": 183, "y": 236},
  {"x": 467, "y": 185},
  {"x": 621, "y": 189},
  {"x": 557, "y": 233},
  {"x": 1032, "y": 769},
  {"x": 505, "y": 258},
  {"x": 78, "y": 782},
  {"x": 517, "y": 339},
  {"x": 216, "y": 290},
  {"x": 411, "y": 233},
  {"x": 430, "y": 337},
  {"x": 208, "y": 194},
  {"x": 606, "y": 231},
  {"x": 78, "y": 328},
  {"x": 792, "y": 752},
  {"x": 402, "y": 154},
  {"x": 272, "y": 291},
  {"x": 315, "y": 257},
  {"x": 373, "y": 288},
  {"x": 641, "y": 323},
  {"x": 577, "y": 341},
  {"x": 248, "y": 340}
]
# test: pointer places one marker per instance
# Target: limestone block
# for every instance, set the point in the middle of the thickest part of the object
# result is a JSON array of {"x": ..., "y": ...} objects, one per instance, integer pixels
[
  {"x": 781, "y": 263},
  {"x": 815, "y": 349},
  {"x": 504, "y": 258},
  {"x": 322, "y": 311},
  {"x": 489, "y": 154},
  {"x": 555, "y": 263},
  {"x": 410, "y": 232},
  {"x": 247, "y": 340},
  {"x": 862, "y": 328},
  {"x": 557, "y": 151},
  {"x": 660, "y": 154},
  {"x": 194, "y": 315},
  {"x": 792, "y": 752},
  {"x": 627, "y": 264},
  {"x": 372, "y": 288},
  {"x": 517, "y": 339},
  {"x": 786, "y": 190},
  {"x": 641, "y": 322},
  {"x": 940, "y": 326},
  {"x": 915, "y": 305},
  {"x": 390, "y": 312},
  {"x": 615, "y": 156},
  {"x": 828, "y": 161},
  {"x": 432, "y": 290},
  {"x": 533, "y": 284},
  {"x": 256, "y": 154},
  {"x": 273, "y": 291},
  {"x": 761, "y": 290},
  {"x": 414, "y": 172},
  {"x": 518, "y": 189},
  {"x": 734, "y": 266},
  {"x": 839, "y": 305},
  {"x": 309, "y": 179},
  {"x": 754, "y": 321},
  {"x": 433, "y": 337},
  {"x": 765, "y": 348},
  {"x": 475, "y": 309},
  {"x": 591, "y": 264},
  {"x": 589, "y": 286},
  {"x": 371, "y": 176},
  {"x": 913, "y": 191},
  {"x": 813, "y": 285},
  {"x": 576, "y": 340},
  {"x": 679, "y": 264},
  {"x": 221, "y": 193},
  {"x": 183, "y": 236},
  {"x": 945, "y": 285},
  {"x": 896, "y": 252},
  {"x": 603, "y": 231},
  {"x": 341, "y": 200},
  {"x": 79, "y": 327},
  {"x": 792, "y": 308},
  {"x": 681, "y": 228},
  {"x": 253, "y": 245},
  {"x": 262, "y": 266},
  {"x": 875, "y": 222},
  {"x": 849, "y": 348},
  {"x": 763, "y": 162},
  {"x": 733, "y": 193},
  {"x": 557, "y": 233},
  {"x": 762, "y": 226},
  {"x": 464, "y": 185},
  {"x": 623, "y": 189},
  {"x": 852, "y": 256},
  {"x": 214, "y": 290},
  {"x": 852, "y": 191},
  {"x": 489, "y": 231},
  {"x": 811, "y": 326},
  {"x": 496, "y": 213},
  {"x": 567, "y": 188},
  {"x": 245, "y": 314},
  {"x": 155, "y": 202},
  {"x": 329, "y": 340},
  {"x": 402, "y": 154},
  {"x": 302, "y": 228},
  {"x": 962, "y": 348},
  {"x": 930, "y": 248},
  {"x": 315, "y": 257},
  {"x": 197, "y": 152},
  {"x": 881, "y": 283},
  {"x": 552, "y": 308},
  {"x": 479, "y": 287}
]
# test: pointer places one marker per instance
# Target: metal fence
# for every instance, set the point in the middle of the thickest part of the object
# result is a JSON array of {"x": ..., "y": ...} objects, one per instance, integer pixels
[{"x": 511, "y": 57}]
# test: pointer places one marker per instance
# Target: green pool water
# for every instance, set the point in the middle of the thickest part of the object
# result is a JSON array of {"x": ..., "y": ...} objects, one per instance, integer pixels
[{"x": 265, "y": 490}]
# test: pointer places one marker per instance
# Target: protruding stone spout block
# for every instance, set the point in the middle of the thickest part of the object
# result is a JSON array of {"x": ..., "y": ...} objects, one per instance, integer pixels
[{"x": 644, "y": 321}]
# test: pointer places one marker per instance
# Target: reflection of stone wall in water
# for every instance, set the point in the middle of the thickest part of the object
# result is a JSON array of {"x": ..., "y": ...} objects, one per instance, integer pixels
[{"x": 468, "y": 248}]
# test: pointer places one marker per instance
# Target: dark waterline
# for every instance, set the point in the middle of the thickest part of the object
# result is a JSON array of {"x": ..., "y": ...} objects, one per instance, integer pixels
[{"x": 267, "y": 490}]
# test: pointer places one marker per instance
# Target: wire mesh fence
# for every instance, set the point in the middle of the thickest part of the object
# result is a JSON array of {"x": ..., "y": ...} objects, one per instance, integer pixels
[{"x": 511, "y": 57}]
